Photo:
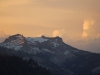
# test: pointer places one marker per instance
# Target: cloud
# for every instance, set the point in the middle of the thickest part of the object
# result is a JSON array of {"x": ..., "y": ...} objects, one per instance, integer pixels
[
  {"x": 84, "y": 34},
  {"x": 87, "y": 27},
  {"x": 63, "y": 34},
  {"x": 42, "y": 34},
  {"x": 59, "y": 33}
]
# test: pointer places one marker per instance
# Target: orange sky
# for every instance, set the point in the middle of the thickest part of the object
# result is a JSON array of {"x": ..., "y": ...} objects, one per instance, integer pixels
[
  {"x": 33, "y": 17},
  {"x": 69, "y": 19}
]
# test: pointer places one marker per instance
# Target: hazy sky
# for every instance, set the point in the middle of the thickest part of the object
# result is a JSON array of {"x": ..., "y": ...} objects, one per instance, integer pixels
[{"x": 76, "y": 21}]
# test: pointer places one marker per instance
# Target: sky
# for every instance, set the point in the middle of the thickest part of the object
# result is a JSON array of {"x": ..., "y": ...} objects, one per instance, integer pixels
[{"x": 76, "y": 21}]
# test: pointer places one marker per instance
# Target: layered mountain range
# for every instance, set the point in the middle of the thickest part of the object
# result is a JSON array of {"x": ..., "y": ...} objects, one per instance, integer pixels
[{"x": 53, "y": 54}]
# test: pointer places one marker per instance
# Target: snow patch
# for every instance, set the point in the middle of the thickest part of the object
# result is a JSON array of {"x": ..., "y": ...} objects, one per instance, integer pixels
[
  {"x": 47, "y": 50},
  {"x": 18, "y": 47},
  {"x": 35, "y": 50},
  {"x": 38, "y": 39},
  {"x": 55, "y": 44},
  {"x": 66, "y": 53},
  {"x": 11, "y": 46}
]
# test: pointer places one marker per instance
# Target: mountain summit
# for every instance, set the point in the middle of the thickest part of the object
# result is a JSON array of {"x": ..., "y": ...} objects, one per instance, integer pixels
[
  {"x": 14, "y": 42},
  {"x": 37, "y": 45},
  {"x": 18, "y": 38}
]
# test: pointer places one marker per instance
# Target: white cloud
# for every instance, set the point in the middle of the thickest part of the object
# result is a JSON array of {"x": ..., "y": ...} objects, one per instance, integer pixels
[
  {"x": 40, "y": 35},
  {"x": 59, "y": 33},
  {"x": 87, "y": 27},
  {"x": 84, "y": 34}
]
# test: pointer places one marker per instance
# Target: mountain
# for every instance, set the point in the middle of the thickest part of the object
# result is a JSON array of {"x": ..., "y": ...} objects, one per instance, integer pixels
[
  {"x": 13, "y": 65},
  {"x": 54, "y": 54}
]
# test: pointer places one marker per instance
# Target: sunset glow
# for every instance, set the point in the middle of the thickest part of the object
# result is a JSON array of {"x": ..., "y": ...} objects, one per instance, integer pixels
[{"x": 70, "y": 19}]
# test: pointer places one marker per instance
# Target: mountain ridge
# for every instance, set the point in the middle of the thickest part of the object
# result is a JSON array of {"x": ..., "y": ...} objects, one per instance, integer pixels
[{"x": 54, "y": 51}]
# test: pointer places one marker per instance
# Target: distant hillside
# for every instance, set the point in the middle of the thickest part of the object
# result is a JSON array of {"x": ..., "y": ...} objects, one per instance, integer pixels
[{"x": 13, "y": 65}]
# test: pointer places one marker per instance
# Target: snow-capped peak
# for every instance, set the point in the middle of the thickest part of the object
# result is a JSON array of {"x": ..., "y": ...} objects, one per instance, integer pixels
[
  {"x": 14, "y": 42},
  {"x": 19, "y": 42}
]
